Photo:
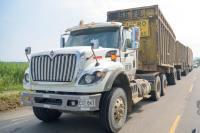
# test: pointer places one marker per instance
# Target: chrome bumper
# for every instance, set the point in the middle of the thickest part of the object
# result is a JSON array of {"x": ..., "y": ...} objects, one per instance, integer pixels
[{"x": 61, "y": 101}]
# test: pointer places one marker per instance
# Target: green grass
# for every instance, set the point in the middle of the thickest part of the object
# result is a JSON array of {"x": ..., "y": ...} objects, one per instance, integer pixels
[{"x": 11, "y": 75}]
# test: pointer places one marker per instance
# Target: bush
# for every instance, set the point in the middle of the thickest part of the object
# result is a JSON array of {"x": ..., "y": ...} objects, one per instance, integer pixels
[{"x": 11, "y": 75}]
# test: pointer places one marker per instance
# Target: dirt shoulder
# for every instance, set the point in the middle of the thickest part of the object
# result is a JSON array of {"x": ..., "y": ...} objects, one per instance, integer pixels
[{"x": 9, "y": 100}]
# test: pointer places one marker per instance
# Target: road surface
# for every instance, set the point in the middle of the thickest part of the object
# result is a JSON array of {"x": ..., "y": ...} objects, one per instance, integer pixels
[{"x": 174, "y": 113}]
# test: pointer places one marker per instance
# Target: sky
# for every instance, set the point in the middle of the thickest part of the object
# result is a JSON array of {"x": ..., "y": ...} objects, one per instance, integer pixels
[{"x": 39, "y": 23}]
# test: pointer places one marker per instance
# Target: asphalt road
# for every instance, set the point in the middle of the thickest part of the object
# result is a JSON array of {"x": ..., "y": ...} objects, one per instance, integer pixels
[{"x": 175, "y": 112}]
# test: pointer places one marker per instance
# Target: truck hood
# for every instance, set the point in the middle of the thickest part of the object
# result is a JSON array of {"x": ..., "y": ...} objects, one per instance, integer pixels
[
  {"x": 82, "y": 50},
  {"x": 85, "y": 62}
]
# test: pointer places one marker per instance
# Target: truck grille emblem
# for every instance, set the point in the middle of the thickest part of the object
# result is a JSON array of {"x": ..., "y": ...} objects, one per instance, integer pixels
[{"x": 51, "y": 54}]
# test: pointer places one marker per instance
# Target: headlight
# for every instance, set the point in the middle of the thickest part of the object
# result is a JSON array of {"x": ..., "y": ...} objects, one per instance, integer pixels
[
  {"x": 91, "y": 78},
  {"x": 26, "y": 77}
]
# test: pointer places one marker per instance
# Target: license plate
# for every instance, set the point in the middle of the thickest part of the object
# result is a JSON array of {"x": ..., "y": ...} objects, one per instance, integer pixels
[{"x": 86, "y": 103}]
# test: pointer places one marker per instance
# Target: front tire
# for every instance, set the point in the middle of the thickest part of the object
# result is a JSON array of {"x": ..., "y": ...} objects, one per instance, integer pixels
[
  {"x": 46, "y": 115},
  {"x": 113, "y": 109}
]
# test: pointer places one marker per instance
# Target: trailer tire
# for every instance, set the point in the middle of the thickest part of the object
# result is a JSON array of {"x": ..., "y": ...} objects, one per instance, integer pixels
[
  {"x": 184, "y": 73},
  {"x": 171, "y": 80},
  {"x": 46, "y": 115},
  {"x": 155, "y": 94},
  {"x": 163, "y": 84},
  {"x": 179, "y": 74},
  {"x": 187, "y": 71},
  {"x": 113, "y": 109}
]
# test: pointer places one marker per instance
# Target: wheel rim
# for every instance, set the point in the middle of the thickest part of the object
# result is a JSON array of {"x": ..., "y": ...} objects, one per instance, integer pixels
[{"x": 119, "y": 110}]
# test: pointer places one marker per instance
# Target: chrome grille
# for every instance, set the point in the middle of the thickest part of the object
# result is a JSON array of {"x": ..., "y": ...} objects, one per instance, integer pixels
[{"x": 60, "y": 68}]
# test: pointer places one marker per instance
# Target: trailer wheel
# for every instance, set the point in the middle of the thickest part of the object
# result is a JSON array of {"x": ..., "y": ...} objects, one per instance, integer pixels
[
  {"x": 184, "y": 73},
  {"x": 163, "y": 84},
  {"x": 187, "y": 71},
  {"x": 155, "y": 95},
  {"x": 113, "y": 110},
  {"x": 179, "y": 74},
  {"x": 46, "y": 115},
  {"x": 171, "y": 80}
]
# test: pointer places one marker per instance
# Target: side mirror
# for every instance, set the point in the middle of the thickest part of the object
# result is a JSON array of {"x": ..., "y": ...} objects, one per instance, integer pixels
[
  {"x": 135, "y": 38},
  {"x": 62, "y": 42},
  {"x": 28, "y": 50},
  {"x": 94, "y": 44}
]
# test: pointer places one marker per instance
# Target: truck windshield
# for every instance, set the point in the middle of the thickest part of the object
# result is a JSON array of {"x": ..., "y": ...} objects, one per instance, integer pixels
[{"x": 107, "y": 37}]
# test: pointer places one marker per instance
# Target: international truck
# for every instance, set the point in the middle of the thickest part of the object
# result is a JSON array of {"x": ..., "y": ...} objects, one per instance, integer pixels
[{"x": 102, "y": 68}]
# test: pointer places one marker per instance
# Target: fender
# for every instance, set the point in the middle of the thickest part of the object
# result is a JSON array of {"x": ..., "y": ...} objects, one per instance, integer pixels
[
  {"x": 113, "y": 76},
  {"x": 126, "y": 86}
]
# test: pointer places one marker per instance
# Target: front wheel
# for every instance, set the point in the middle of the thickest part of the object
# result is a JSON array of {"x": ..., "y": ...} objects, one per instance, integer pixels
[
  {"x": 46, "y": 115},
  {"x": 113, "y": 109}
]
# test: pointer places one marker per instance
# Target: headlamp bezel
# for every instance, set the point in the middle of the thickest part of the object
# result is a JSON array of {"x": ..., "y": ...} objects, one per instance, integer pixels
[{"x": 98, "y": 76}]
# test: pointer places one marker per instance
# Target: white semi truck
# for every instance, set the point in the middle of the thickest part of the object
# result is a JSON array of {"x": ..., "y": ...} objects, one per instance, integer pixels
[{"x": 94, "y": 70}]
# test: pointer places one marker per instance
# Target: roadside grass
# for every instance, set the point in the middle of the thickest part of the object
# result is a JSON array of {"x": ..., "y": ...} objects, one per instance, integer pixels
[{"x": 11, "y": 76}]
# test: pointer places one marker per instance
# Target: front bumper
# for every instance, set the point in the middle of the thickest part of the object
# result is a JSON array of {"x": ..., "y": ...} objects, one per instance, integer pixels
[{"x": 63, "y": 102}]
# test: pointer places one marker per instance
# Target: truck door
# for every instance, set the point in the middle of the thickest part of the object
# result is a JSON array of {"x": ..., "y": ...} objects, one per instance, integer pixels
[{"x": 128, "y": 54}]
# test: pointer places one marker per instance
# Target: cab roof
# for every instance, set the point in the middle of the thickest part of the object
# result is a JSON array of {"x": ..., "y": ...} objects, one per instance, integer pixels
[{"x": 94, "y": 25}]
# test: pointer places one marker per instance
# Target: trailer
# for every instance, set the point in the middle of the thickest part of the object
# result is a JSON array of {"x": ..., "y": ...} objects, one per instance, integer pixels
[
  {"x": 157, "y": 52},
  {"x": 184, "y": 59},
  {"x": 189, "y": 59},
  {"x": 181, "y": 59}
]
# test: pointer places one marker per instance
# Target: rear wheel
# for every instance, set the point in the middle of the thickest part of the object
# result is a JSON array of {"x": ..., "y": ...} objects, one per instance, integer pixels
[
  {"x": 163, "y": 84},
  {"x": 185, "y": 72},
  {"x": 155, "y": 94},
  {"x": 46, "y": 115},
  {"x": 188, "y": 71},
  {"x": 171, "y": 78},
  {"x": 178, "y": 74},
  {"x": 113, "y": 109}
]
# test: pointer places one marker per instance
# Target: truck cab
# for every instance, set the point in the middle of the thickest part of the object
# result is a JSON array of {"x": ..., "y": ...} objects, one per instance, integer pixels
[{"x": 94, "y": 70}]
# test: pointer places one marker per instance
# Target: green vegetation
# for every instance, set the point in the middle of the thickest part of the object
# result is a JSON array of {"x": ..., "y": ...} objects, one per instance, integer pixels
[{"x": 11, "y": 75}]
